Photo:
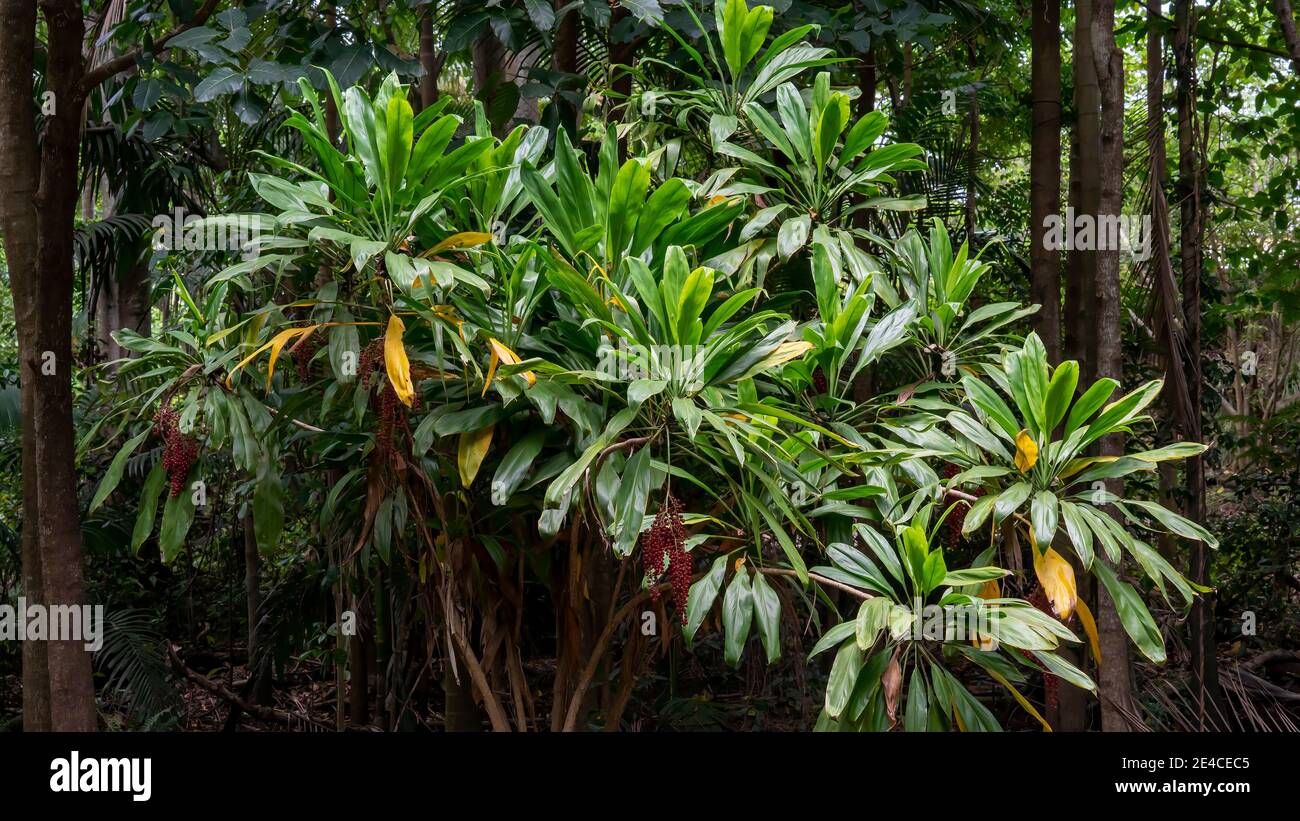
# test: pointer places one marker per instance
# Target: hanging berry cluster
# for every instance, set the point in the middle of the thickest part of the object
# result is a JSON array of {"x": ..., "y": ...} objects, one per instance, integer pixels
[
  {"x": 819, "y": 381},
  {"x": 303, "y": 353},
  {"x": 663, "y": 547},
  {"x": 389, "y": 410},
  {"x": 957, "y": 517},
  {"x": 180, "y": 451},
  {"x": 372, "y": 357}
]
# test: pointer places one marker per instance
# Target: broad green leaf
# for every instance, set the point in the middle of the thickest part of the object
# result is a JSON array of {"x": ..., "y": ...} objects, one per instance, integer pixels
[
  {"x": 114, "y": 473},
  {"x": 1133, "y": 613},
  {"x": 153, "y": 486},
  {"x": 701, "y": 597},
  {"x": 767, "y": 614},
  {"x": 844, "y": 675},
  {"x": 178, "y": 514},
  {"x": 737, "y": 613}
]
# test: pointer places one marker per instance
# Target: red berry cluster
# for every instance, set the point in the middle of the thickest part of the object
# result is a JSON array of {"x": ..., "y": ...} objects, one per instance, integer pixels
[
  {"x": 819, "y": 381},
  {"x": 180, "y": 451},
  {"x": 372, "y": 357},
  {"x": 303, "y": 353},
  {"x": 957, "y": 518},
  {"x": 663, "y": 547},
  {"x": 388, "y": 408}
]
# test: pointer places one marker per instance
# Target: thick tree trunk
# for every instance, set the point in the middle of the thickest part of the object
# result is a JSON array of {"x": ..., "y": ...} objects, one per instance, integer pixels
[
  {"x": 1201, "y": 621},
  {"x": 1286, "y": 19},
  {"x": 1045, "y": 170},
  {"x": 123, "y": 302},
  {"x": 48, "y": 365},
  {"x": 1116, "y": 685},
  {"x": 19, "y": 168}
]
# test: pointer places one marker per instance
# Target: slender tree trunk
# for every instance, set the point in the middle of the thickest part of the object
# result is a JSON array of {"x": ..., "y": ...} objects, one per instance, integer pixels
[
  {"x": 1286, "y": 19},
  {"x": 1204, "y": 668},
  {"x": 431, "y": 60},
  {"x": 1086, "y": 175},
  {"x": 564, "y": 61},
  {"x": 1072, "y": 708},
  {"x": 974, "y": 120},
  {"x": 1045, "y": 170},
  {"x": 866, "y": 81},
  {"x": 253, "y": 594},
  {"x": 1116, "y": 685},
  {"x": 360, "y": 650}
]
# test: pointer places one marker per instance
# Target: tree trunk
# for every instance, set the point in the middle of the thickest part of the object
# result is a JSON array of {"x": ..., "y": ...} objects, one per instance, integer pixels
[
  {"x": 1086, "y": 191},
  {"x": 866, "y": 82},
  {"x": 1286, "y": 19},
  {"x": 1201, "y": 621},
  {"x": 974, "y": 119},
  {"x": 431, "y": 60},
  {"x": 123, "y": 302},
  {"x": 564, "y": 61},
  {"x": 19, "y": 167},
  {"x": 1116, "y": 685},
  {"x": 49, "y": 366},
  {"x": 1045, "y": 171},
  {"x": 359, "y": 666},
  {"x": 460, "y": 712},
  {"x": 253, "y": 593}
]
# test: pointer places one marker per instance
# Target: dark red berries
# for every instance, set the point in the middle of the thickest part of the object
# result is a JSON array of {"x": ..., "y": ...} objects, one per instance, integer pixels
[
  {"x": 303, "y": 353},
  {"x": 819, "y": 381},
  {"x": 957, "y": 516},
  {"x": 663, "y": 547},
  {"x": 180, "y": 451}
]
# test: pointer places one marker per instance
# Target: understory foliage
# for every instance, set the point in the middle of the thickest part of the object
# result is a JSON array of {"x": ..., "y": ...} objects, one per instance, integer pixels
[{"x": 749, "y": 403}]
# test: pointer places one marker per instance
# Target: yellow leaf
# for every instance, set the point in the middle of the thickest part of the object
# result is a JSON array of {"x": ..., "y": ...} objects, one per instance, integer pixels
[
  {"x": 1057, "y": 578},
  {"x": 276, "y": 344},
  {"x": 396, "y": 362},
  {"x": 1090, "y": 627},
  {"x": 473, "y": 447},
  {"x": 784, "y": 353},
  {"x": 465, "y": 239},
  {"x": 1075, "y": 465},
  {"x": 1024, "y": 702},
  {"x": 1026, "y": 451},
  {"x": 990, "y": 590},
  {"x": 500, "y": 353}
]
